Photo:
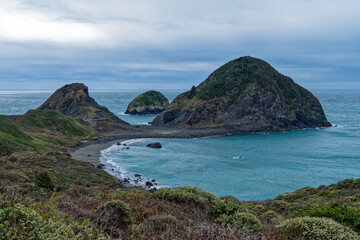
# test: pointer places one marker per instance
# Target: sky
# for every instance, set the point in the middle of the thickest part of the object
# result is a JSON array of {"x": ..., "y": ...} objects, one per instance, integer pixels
[{"x": 174, "y": 44}]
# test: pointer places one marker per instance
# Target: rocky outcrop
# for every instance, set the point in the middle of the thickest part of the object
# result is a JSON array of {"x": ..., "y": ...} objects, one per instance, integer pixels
[
  {"x": 154, "y": 145},
  {"x": 73, "y": 100},
  {"x": 245, "y": 95},
  {"x": 150, "y": 102}
]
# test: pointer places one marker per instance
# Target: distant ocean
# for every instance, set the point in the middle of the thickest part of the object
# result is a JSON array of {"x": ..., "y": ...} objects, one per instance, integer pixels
[{"x": 247, "y": 166}]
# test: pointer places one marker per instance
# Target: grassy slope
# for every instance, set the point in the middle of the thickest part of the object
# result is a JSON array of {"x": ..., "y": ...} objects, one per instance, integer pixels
[{"x": 34, "y": 157}]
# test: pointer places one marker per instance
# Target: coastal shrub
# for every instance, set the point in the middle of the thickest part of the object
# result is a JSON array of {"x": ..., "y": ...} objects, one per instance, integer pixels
[
  {"x": 192, "y": 92},
  {"x": 20, "y": 222},
  {"x": 343, "y": 214},
  {"x": 113, "y": 216},
  {"x": 187, "y": 194},
  {"x": 160, "y": 223},
  {"x": 43, "y": 180},
  {"x": 240, "y": 219},
  {"x": 314, "y": 228},
  {"x": 51, "y": 180}
]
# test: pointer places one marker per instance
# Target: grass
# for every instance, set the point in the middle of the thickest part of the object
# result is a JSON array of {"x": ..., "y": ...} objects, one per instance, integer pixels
[{"x": 166, "y": 131}]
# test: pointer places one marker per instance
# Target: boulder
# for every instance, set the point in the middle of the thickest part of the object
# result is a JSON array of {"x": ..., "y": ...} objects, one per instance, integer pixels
[{"x": 154, "y": 145}]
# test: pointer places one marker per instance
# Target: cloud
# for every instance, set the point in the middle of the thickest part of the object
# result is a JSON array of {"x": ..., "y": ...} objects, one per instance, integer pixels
[
  {"x": 37, "y": 26},
  {"x": 175, "y": 42}
]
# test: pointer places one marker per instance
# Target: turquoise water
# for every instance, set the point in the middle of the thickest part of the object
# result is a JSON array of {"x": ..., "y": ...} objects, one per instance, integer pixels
[{"x": 247, "y": 166}]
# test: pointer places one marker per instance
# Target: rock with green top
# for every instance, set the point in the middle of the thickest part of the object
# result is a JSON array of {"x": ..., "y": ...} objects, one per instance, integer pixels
[
  {"x": 245, "y": 95},
  {"x": 73, "y": 100},
  {"x": 150, "y": 102}
]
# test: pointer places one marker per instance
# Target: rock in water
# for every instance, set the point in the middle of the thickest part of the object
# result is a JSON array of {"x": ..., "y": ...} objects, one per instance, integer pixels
[
  {"x": 245, "y": 95},
  {"x": 150, "y": 102},
  {"x": 154, "y": 145},
  {"x": 73, "y": 100}
]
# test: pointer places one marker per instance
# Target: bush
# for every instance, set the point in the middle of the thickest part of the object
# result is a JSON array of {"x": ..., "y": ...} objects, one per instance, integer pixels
[
  {"x": 343, "y": 214},
  {"x": 20, "y": 222},
  {"x": 240, "y": 219},
  {"x": 188, "y": 195},
  {"x": 113, "y": 216},
  {"x": 43, "y": 180},
  {"x": 316, "y": 228},
  {"x": 51, "y": 180}
]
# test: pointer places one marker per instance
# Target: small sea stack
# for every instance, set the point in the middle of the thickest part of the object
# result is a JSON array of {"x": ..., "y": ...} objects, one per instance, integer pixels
[
  {"x": 150, "y": 102},
  {"x": 245, "y": 95}
]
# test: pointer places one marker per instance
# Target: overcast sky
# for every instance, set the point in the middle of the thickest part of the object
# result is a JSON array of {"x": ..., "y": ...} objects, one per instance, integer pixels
[{"x": 173, "y": 44}]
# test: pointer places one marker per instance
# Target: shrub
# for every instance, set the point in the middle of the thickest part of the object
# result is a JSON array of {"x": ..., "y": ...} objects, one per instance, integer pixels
[
  {"x": 188, "y": 194},
  {"x": 43, "y": 180},
  {"x": 240, "y": 219},
  {"x": 343, "y": 214},
  {"x": 51, "y": 180},
  {"x": 317, "y": 229},
  {"x": 20, "y": 222},
  {"x": 113, "y": 216}
]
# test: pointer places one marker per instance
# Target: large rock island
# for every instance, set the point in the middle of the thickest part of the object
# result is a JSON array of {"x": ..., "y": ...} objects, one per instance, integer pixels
[
  {"x": 245, "y": 95},
  {"x": 150, "y": 102},
  {"x": 73, "y": 100}
]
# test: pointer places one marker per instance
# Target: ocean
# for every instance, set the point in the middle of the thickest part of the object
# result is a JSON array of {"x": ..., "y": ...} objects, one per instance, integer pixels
[{"x": 253, "y": 166}]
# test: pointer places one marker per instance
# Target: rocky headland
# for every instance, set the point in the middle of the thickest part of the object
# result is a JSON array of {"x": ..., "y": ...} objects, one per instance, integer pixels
[
  {"x": 73, "y": 100},
  {"x": 150, "y": 102},
  {"x": 245, "y": 95}
]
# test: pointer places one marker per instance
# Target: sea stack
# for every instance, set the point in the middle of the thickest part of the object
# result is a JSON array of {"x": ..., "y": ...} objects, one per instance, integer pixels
[
  {"x": 73, "y": 100},
  {"x": 150, "y": 102},
  {"x": 245, "y": 95}
]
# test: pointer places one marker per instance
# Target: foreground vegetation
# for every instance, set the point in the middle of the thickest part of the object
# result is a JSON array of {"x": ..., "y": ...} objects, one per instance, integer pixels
[{"x": 44, "y": 194}]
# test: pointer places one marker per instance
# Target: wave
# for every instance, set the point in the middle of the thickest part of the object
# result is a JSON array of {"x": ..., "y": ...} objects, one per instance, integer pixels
[
  {"x": 127, "y": 178},
  {"x": 238, "y": 157}
]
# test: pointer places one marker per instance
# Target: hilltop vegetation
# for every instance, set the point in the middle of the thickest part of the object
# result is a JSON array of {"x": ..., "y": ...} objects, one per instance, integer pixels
[{"x": 150, "y": 102}]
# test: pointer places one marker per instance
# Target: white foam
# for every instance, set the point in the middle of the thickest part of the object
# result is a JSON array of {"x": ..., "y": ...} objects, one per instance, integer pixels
[
  {"x": 238, "y": 157},
  {"x": 120, "y": 172}
]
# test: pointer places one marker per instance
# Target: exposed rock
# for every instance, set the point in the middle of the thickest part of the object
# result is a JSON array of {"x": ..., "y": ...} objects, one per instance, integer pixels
[
  {"x": 154, "y": 145},
  {"x": 100, "y": 166},
  {"x": 150, "y": 102},
  {"x": 245, "y": 95},
  {"x": 149, "y": 184},
  {"x": 73, "y": 100},
  {"x": 137, "y": 175}
]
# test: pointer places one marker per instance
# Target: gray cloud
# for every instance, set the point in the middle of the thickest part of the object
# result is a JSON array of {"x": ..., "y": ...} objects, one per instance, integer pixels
[{"x": 175, "y": 43}]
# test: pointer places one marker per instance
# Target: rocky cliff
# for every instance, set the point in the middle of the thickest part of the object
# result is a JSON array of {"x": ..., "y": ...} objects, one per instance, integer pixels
[
  {"x": 245, "y": 95},
  {"x": 150, "y": 102},
  {"x": 73, "y": 100}
]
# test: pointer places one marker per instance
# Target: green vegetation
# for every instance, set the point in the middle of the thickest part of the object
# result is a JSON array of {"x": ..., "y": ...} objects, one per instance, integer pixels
[
  {"x": 148, "y": 98},
  {"x": 166, "y": 131},
  {"x": 316, "y": 229},
  {"x": 240, "y": 219},
  {"x": 343, "y": 214},
  {"x": 192, "y": 92},
  {"x": 234, "y": 77},
  {"x": 52, "y": 119},
  {"x": 20, "y": 222}
]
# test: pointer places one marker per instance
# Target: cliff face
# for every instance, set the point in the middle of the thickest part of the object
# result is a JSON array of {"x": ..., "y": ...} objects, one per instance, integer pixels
[
  {"x": 73, "y": 100},
  {"x": 150, "y": 102},
  {"x": 247, "y": 95}
]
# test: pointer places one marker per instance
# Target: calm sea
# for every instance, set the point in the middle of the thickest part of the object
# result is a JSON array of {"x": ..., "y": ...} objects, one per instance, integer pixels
[{"x": 247, "y": 166}]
